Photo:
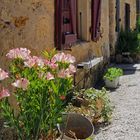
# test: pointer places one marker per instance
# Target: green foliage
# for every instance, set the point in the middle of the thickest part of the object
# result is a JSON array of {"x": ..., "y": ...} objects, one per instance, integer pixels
[
  {"x": 138, "y": 24},
  {"x": 41, "y": 104},
  {"x": 96, "y": 104},
  {"x": 112, "y": 73},
  {"x": 128, "y": 41}
]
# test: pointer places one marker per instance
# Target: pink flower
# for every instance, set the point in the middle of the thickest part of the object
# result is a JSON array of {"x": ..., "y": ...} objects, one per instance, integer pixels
[
  {"x": 65, "y": 58},
  {"x": 49, "y": 76},
  {"x": 58, "y": 57},
  {"x": 22, "y": 53},
  {"x": 51, "y": 64},
  {"x": 40, "y": 62},
  {"x": 61, "y": 74},
  {"x": 69, "y": 58},
  {"x": 25, "y": 53},
  {"x": 4, "y": 93},
  {"x": 64, "y": 73},
  {"x": 68, "y": 72},
  {"x": 21, "y": 83},
  {"x": 3, "y": 74},
  {"x": 72, "y": 68},
  {"x": 31, "y": 61}
]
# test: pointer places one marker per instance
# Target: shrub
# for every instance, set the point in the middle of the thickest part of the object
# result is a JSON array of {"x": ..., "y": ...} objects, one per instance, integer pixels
[
  {"x": 94, "y": 104},
  {"x": 40, "y": 86},
  {"x": 128, "y": 41}
]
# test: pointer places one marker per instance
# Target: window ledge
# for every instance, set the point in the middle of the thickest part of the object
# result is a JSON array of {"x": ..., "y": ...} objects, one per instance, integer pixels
[{"x": 90, "y": 64}]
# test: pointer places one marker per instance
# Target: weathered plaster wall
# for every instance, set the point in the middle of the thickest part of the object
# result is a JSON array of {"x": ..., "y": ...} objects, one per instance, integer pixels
[
  {"x": 83, "y": 50},
  {"x": 80, "y": 50},
  {"x": 112, "y": 26},
  {"x": 132, "y": 13},
  {"x": 30, "y": 23},
  {"x": 26, "y": 23}
]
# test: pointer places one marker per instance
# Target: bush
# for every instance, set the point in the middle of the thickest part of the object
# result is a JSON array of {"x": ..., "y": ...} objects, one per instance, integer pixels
[
  {"x": 128, "y": 41},
  {"x": 94, "y": 104},
  {"x": 40, "y": 86},
  {"x": 138, "y": 24}
]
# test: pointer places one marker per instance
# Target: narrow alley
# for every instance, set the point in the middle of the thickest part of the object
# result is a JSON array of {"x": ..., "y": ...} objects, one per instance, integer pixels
[{"x": 126, "y": 101}]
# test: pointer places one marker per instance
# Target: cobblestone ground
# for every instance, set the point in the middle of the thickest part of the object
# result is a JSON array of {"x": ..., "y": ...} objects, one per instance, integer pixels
[{"x": 126, "y": 119}]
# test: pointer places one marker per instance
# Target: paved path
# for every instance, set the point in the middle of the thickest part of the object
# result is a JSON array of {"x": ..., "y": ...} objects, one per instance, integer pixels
[{"x": 126, "y": 118}]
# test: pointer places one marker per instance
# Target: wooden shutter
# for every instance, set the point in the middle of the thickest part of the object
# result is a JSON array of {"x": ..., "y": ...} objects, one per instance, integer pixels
[
  {"x": 65, "y": 23},
  {"x": 96, "y": 17},
  {"x": 58, "y": 16},
  {"x": 117, "y": 15},
  {"x": 127, "y": 17}
]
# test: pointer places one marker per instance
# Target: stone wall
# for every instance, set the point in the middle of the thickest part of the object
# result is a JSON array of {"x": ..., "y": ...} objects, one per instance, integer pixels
[
  {"x": 112, "y": 21},
  {"x": 132, "y": 13},
  {"x": 30, "y": 23},
  {"x": 26, "y": 23},
  {"x": 112, "y": 26}
]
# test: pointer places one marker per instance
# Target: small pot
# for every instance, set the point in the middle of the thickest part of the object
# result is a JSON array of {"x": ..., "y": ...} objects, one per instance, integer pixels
[
  {"x": 76, "y": 126},
  {"x": 112, "y": 84}
]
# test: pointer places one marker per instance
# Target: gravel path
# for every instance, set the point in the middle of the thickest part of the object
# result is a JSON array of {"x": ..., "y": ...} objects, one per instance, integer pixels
[{"x": 126, "y": 119}]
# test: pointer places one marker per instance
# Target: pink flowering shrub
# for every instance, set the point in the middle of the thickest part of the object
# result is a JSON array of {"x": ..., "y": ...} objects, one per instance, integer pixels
[{"x": 40, "y": 87}]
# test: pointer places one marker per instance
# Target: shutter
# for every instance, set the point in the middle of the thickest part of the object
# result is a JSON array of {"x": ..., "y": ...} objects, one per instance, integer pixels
[
  {"x": 58, "y": 24},
  {"x": 73, "y": 15},
  {"x": 96, "y": 17},
  {"x": 65, "y": 23},
  {"x": 117, "y": 15}
]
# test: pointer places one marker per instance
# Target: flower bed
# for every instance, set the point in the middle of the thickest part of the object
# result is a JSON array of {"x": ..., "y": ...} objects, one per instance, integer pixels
[{"x": 40, "y": 86}]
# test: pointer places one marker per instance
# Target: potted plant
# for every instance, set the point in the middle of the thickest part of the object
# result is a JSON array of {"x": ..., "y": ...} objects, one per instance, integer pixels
[
  {"x": 112, "y": 76},
  {"x": 92, "y": 103}
]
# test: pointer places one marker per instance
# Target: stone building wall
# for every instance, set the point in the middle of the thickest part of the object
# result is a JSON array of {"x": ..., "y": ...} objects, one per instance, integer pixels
[
  {"x": 132, "y": 13},
  {"x": 112, "y": 26},
  {"x": 30, "y": 23},
  {"x": 112, "y": 20},
  {"x": 26, "y": 23}
]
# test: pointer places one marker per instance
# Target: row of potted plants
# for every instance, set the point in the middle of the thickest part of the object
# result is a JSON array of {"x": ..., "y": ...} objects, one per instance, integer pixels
[
  {"x": 40, "y": 86},
  {"x": 93, "y": 104}
]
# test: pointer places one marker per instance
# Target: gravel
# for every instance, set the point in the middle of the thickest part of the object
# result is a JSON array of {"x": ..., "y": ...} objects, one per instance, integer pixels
[{"x": 126, "y": 117}]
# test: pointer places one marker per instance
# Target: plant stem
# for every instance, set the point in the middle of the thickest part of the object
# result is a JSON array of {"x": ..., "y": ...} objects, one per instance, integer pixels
[{"x": 41, "y": 115}]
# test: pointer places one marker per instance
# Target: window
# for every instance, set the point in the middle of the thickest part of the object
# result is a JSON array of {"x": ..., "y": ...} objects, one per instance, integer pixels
[
  {"x": 117, "y": 15},
  {"x": 65, "y": 24},
  {"x": 127, "y": 17},
  {"x": 96, "y": 20},
  {"x": 84, "y": 20},
  {"x": 76, "y": 19}
]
